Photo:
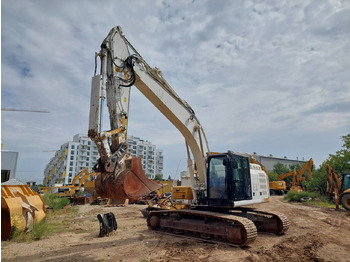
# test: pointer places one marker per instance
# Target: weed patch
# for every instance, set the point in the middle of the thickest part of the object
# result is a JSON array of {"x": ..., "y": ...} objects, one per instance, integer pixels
[{"x": 56, "y": 202}]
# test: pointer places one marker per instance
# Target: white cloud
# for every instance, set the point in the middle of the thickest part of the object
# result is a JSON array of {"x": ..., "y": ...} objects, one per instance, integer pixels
[{"x": 268, "y": 77}]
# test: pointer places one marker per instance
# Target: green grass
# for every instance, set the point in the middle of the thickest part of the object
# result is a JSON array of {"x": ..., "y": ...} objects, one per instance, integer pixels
[
  {"x": 293, "y": 196},
  {"x": 55, "y": 202},
  {"x": 38, "y": 231},
  {"x": 54, "y": 223},
  {"x": 309, "y": 198}
]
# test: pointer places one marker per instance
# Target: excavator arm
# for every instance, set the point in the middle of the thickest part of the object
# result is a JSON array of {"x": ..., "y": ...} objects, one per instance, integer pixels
[
  {"x": 333, "y": 185},
  {"x": 80, "y": 175},
  {"x": 119, "y": 71}
]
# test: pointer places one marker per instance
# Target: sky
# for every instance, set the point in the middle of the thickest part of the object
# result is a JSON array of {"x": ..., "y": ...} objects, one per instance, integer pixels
[{"x": 270, "y": 77}]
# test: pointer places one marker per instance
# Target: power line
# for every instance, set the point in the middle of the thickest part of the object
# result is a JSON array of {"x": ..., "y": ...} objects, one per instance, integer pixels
[{"x": 23, "y": 110}]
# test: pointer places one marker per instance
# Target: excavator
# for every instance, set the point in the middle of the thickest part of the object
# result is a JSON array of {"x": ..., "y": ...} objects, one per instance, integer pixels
[
  {"x": 297, "y": 179},
  {"x": 221, "y": 185},
  {"x": 338, "y": 187}
]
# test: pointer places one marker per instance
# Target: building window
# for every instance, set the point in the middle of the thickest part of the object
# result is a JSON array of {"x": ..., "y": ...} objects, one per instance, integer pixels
[
  {"x": 88, "y": 153},
  {"x": 87, "y": 159},
  {"x": 87, "y": 163},
  {"x": 89, "y": 142},
  {"x": 71, "y": 169},
  {"x": 69, "y": 180},
  {"x": 72, "y": 158},
  {"x": 88, "y": 148},
  {"x": 72, "y": 146},
  {"x": 71, "y": 163},
  {"x": 72, "y": 152},
  {"x": 70, "y": 174}
]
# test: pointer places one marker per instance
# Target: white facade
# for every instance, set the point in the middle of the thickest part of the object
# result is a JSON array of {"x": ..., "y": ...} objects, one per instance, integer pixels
[
  {"x": 71, "y": 159},
  {"x": 152, "y": 159},
  {"x": 80, "y": 153}
]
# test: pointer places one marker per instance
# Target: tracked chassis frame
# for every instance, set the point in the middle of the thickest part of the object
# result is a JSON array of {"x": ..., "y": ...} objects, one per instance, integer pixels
[{"x": 234, "y": 227}]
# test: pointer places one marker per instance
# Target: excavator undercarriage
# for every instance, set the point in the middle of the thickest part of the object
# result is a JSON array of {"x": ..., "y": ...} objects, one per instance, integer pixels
[{"x": 234, "y": 227}]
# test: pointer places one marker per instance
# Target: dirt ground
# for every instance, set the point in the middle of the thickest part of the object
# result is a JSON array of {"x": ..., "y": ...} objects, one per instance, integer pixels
[{"x": 316, "y": 234}]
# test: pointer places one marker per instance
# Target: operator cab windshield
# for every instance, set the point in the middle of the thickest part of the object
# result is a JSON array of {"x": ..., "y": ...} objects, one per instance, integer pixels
[{"x": 228, "y": 179}]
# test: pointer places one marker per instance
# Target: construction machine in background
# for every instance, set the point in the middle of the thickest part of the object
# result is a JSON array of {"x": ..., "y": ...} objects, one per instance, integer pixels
[
  {"x": 21, "y": 208},
  {"x": 294, "y": 186},
  {"x": 298, "y": 179},
  {"x": 70, "y": 190},
  {"x": 221, "y": 185},
  {"x": 338, "y": 187}
]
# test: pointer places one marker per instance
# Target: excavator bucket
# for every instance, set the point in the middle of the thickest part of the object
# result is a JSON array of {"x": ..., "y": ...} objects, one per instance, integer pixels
[
  {"x": 21, "y": 207},
  {"x": 130, "y": 183}
]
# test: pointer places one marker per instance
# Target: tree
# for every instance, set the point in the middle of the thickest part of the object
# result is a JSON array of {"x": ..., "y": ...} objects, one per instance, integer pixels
[
  {"x": 279, "y": 168},
  {"x": 340, "y": 161},
  {"x": 158, "y": 177},
  {"x": 273, "y": 176},
  {"x": 318, "y": 181}
]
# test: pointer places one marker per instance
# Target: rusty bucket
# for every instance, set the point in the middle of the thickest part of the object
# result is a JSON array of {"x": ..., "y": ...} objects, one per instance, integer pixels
[{"x": 130, "y": 183}]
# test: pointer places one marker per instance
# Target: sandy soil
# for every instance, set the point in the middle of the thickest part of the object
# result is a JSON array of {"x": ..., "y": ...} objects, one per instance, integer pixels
[{"x": 316, "y": 234}]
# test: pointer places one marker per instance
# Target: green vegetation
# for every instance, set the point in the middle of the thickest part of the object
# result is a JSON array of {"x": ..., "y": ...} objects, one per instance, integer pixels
[
  {"x": 310, "y": 198},
  {"x": 55, "y": 202},
  {"x": 159, "y": 177},
  {"x": 51, "y": 225},
  {"x": 340, "y": 161},
  {"x": 317, "y": 185},
  {"x": 294, "y": 196}
]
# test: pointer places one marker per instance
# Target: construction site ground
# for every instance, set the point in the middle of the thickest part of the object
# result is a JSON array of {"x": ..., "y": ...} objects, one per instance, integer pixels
[{"x": 315, "y": 234}]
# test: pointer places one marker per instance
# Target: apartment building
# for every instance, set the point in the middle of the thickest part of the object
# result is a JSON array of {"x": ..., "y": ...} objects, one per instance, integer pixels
[
  {"x": 70, "y": 159},
  {"x": 152, "y": 158},
  {"x": 76, "y": 155}
]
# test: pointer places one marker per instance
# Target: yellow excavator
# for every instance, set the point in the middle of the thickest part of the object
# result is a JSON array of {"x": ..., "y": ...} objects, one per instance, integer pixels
[
  {"x": 297, "y": 179},
  {"x": 69, "y": 190},
  {"x": 338, "y": 187},
  {"x": 218, "y": 192}
]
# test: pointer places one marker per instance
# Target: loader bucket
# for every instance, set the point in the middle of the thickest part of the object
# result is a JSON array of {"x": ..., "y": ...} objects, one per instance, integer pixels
[
  {"x": 130, "y": 183},
  {"x": 21, "y": 207}
]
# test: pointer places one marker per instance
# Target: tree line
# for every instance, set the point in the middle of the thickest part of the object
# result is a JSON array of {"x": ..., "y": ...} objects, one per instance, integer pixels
[{"x": 340, "y": 162}]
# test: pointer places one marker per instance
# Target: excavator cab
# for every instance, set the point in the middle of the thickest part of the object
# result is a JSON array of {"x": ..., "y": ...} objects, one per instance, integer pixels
[
  {"x": 228, "y": 178},
  {"x": 345, "y": 182}
]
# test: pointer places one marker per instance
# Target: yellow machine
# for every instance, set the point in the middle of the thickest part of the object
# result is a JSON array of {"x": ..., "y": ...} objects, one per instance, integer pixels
[
  {"x": 69, "y": 190},
  {"x": 84, "y": 178},
  {"x": 277, "y": 187},
  {"x": 21, "y": 207},
  {"x": 338, "y": 187},
  {"x": 297, "y": 178}
]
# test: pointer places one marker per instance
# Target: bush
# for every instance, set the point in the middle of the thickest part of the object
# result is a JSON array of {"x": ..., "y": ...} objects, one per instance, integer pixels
[
  {"x": 55, "y": 201},
  {"x": 294, "y": 196},
  {"x": 38, "y": 231}
]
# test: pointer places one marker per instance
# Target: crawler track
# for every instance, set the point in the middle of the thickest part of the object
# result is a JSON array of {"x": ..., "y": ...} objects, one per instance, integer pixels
[
  {"x": 204, "y": 225},
  {"x": 269, "y": 222}
]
